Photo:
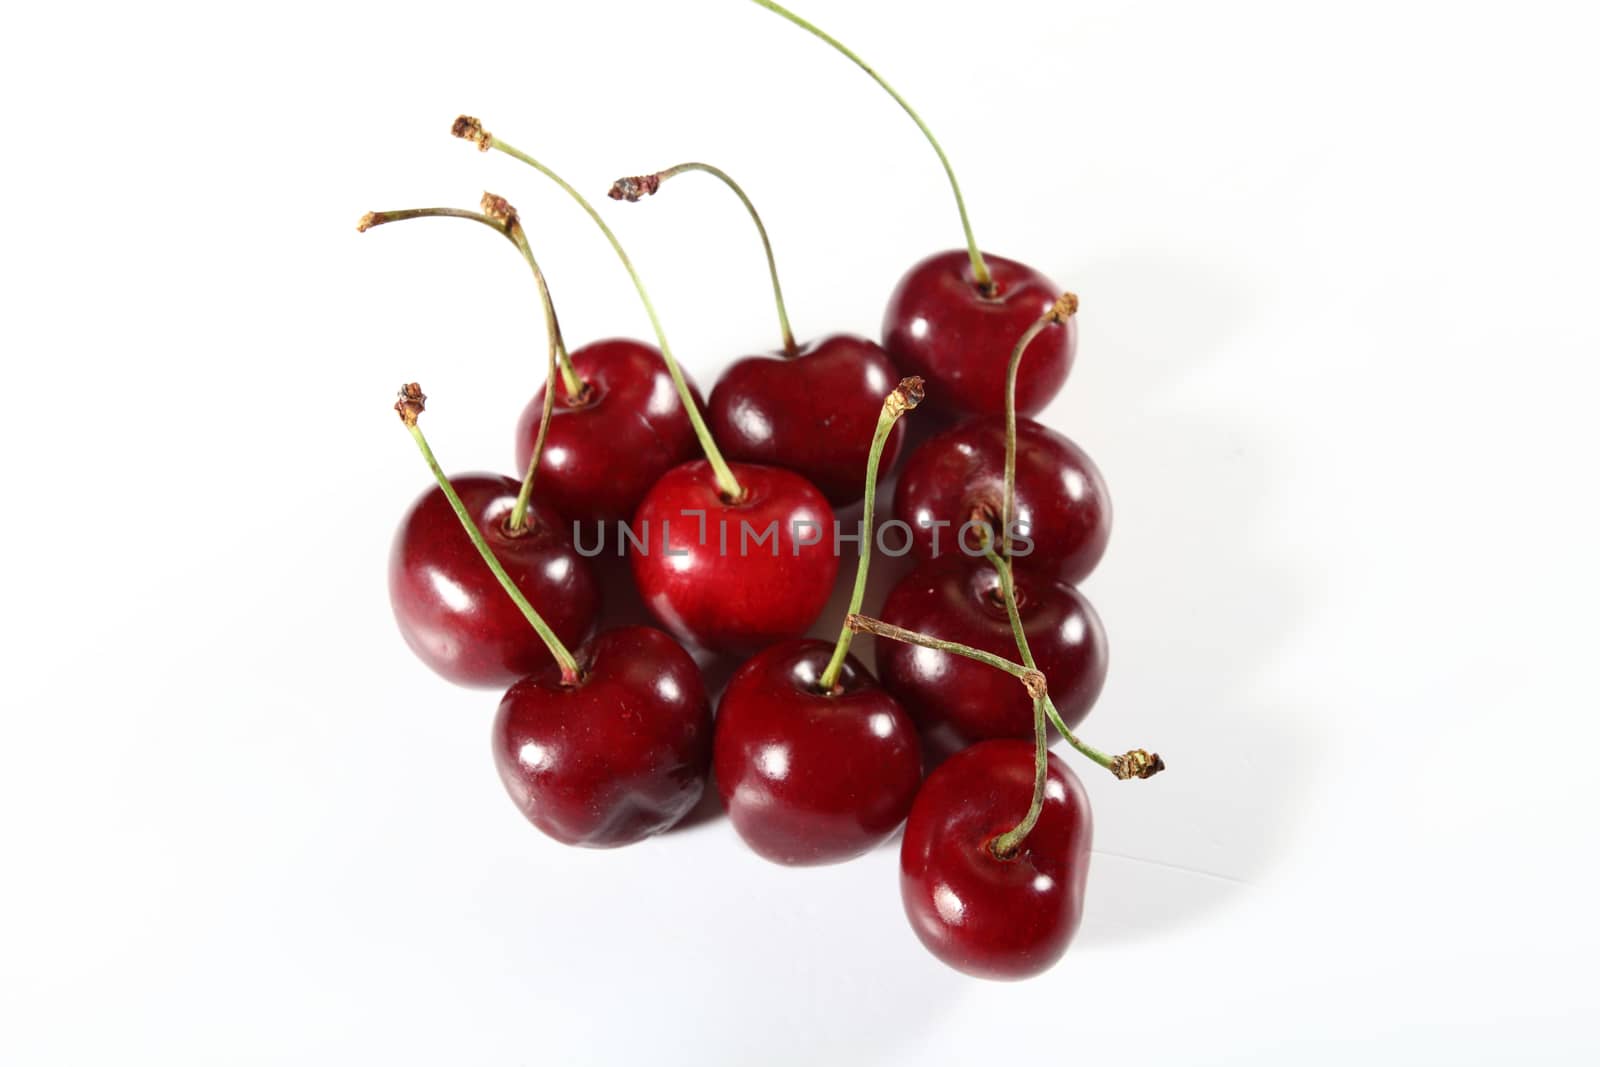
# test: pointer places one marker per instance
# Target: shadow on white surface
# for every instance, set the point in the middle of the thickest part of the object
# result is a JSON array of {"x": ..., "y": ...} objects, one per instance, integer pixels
[{"x": 1198, "y": 611}]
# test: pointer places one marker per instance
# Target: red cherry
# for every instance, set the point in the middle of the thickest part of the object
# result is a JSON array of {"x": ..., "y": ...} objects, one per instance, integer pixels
[
  {"x": 1062, "y": 503},
  {"x": 812, "y": 412},
  {"x": 605, "y": 450},
  {"x": 958, "y": 701},
  {"x": 811, "y": 778},
  {"x": 615, "y": 758},
  {"x": 983, "y": 915},
  {"x": 725, "y": 591},
  {"x": 942, "y": 325},
  {"x": 451, "y": 609}
]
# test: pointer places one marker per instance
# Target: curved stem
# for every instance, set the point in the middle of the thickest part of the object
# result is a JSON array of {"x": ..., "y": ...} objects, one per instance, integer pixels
[
  {"x": 511, "y": 230},
  {"x": 1009, "y": 591},
  {"x": 1065, "y": 307},
  {"x": 409, "y": 407},
  {"x": 906, "y": 396},
  {"x": 980, "y": 270},
  {"x": 472, "y": 130},
  {"x": 518, "y": 521},
  {"x": 866, "y": 624},
  {"x": 1005, "y": 846},
  {"x": 635, "y": 189}
]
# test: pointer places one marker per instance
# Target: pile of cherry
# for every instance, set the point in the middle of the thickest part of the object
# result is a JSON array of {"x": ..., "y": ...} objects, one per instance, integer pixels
[{"x": 985, "y": 651}]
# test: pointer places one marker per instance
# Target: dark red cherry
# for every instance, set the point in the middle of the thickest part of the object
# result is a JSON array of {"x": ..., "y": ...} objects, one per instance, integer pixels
[
  {"x": 452, "y": 611},
  {"x": 605, "y": 451},
  {"x": 811, "y": 778},
  {"x": 813, "y": 412},
  {"x": 759, "y": 570},
  {"x": 1063, "y": 506},
  {"x": 615, "y": 758},
  {"x": 959, "y": 701},
  {"x": 939, "y": 324},
  {"x": 983, "y": 915}
]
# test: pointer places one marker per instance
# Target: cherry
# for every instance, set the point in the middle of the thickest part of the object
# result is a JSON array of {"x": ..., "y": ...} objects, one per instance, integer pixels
[
  {"x": 452, "y": 611},
  {"x": 601, "y": 748},
  {"x": 711, "y": 586},
  {"x": 945, "y": 324},
  {"x": 815, "y": 762},
  {"x": 810, "y": 411},
  {"x": 616, "y": 757},
  {"x": 1062, "y": 504},
  {"x": 953, "y": 316},
  {"x": 810, "y": 408},
  {"x": 957, "y": 701},
  {"x": 811, "y": 776},
  {"x": 984, "y": 915},
  {"x": 763, "y": 569},
  {"x": 610, "y": 443}
]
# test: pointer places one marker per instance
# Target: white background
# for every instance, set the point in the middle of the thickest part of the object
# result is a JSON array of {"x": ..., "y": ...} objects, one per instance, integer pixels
[{"x": 1338, "y": 363}]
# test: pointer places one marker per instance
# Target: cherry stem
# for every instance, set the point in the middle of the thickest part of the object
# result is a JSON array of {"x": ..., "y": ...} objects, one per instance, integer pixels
[
  {"x": 866, "y": 624},
  {"x": 410, "y": 405},
  {"x": 1006, "y": 845},
  {"x": 905, "y": 397},
  {"x": 1135, "y": 764},
  {"x": 470, "y": 129},
  {"x": 637, "y": 188},
  {"x": 1064, "y": 309},
  {"x": 980, "y": 270},
  {"x": 511, "y": 230}
]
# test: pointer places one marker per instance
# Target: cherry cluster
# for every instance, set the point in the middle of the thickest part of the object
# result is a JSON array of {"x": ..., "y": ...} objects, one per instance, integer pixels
[{"x": 986, "y": 650}]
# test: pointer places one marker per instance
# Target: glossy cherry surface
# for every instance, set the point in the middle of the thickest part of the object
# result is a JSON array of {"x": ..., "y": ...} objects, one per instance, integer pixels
[
  {"x": 605, "y": 451},
  {"x": 940, "y": 325},
  {"x": 958, "y": 701},
  {"x": 986, "y": 916},
  {"x": 452, "y": 611},
  {"x": 1063, "y": 505},
  {"x": 811, "y": 778},
  {"x": 760, "y": 570},
  {"x": 616, "y": 758},
  {"x": 813, "y": 413}
]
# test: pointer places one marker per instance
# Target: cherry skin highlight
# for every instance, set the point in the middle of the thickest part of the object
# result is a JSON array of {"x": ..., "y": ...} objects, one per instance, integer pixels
[
  {"x": 813, "y": 412},
  {"x": 983, "y": 915},
  {"x": 810, "y": 778},
  {"x": 725, "y": 591},
  {"x": 619, "y": 756},
  {"x": 605, "y": 450},
  {"x": 452, "y": 611},
  {"x": 1062, "y": 503},
  {"x": 958, "y": 701},
  {"x": 941, "y": 325}
]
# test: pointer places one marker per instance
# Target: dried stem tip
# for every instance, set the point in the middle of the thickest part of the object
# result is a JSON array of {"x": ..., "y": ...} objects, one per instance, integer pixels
[
  {"x": 906, "y": 396},
  {"x": 1038, "y": 686},
  {"x": 369, "y": 220},
  {"x": 498, "y": 208},
  {"x": 411, "y": 403},
  {"x": 1066, "y": 306},
  {"x": 1137, "y": 764},
  {"x": 636, "y": 188},
  {"x": 470, "y": 129}
]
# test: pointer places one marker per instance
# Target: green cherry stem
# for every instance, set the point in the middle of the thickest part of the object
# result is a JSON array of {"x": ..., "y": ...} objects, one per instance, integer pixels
[
  {"x": 410, "y": 405},
  {"x": 866, "y": 624},
  {"x": 1005, "y": 846},
  {"x": 470, "y": 129},
  {"x": 640, "y": 186},
  {"x": 511, "y": 230},
  {"x": 496, "y": 207},
  {"x": 1065, "y": 307},
  {"x": 905, "y": 397},
  {"x": 980, "y": 270},
  {"x": 1135, "y": 764}
]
